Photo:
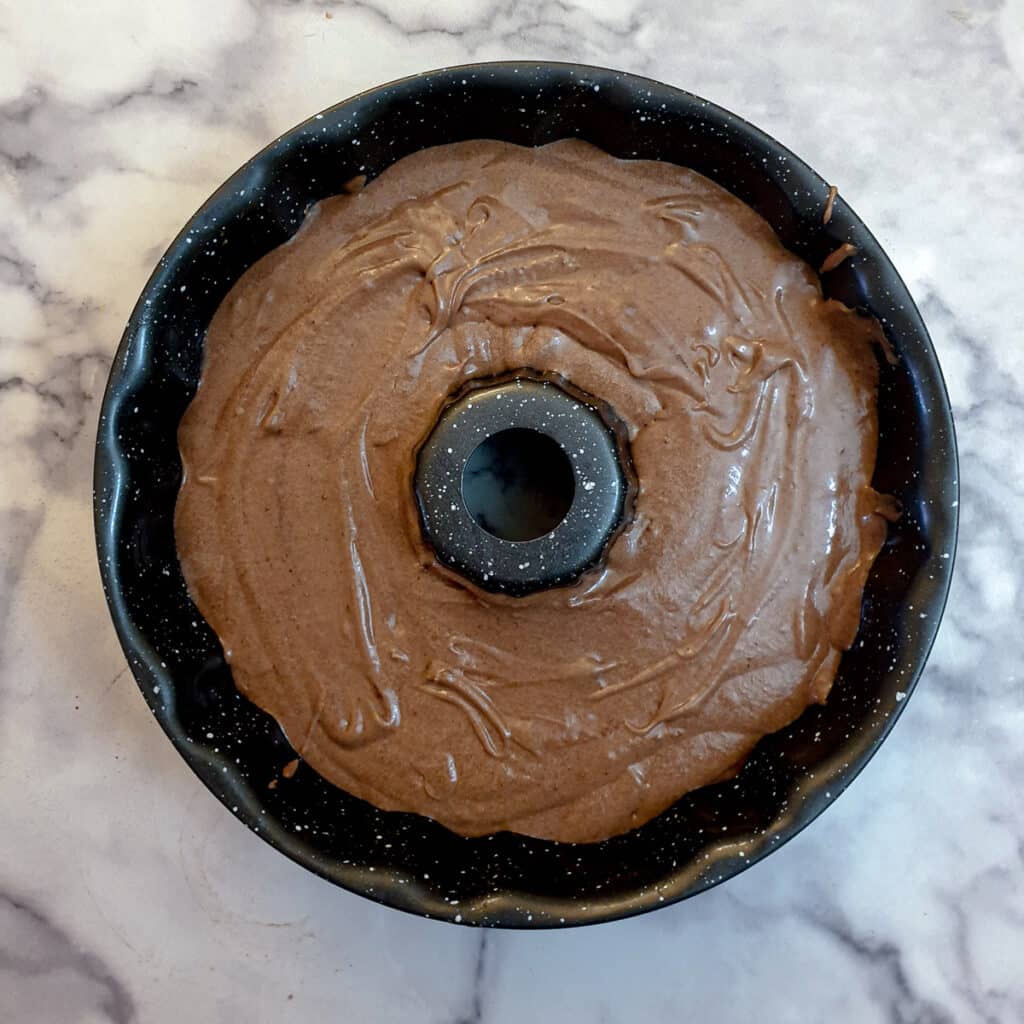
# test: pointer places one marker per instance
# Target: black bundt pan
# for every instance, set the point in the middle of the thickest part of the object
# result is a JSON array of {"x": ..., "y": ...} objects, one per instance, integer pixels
[{"x": 403, "y": 860}]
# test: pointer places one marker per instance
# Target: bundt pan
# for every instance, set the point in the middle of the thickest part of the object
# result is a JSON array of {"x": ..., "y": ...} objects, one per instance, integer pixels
[{"x": 410, "y": 862}]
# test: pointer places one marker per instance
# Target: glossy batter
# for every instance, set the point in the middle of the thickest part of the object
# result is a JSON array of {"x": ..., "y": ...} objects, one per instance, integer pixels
[{"x": 722, "y": 609}]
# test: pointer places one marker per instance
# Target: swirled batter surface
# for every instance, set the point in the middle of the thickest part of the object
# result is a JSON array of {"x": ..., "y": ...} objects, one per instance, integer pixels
[{"x": 722, "y": 608}]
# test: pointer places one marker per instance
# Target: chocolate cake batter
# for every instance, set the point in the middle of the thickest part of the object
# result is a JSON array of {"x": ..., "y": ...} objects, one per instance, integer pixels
[{"x": 721, "y": 611}]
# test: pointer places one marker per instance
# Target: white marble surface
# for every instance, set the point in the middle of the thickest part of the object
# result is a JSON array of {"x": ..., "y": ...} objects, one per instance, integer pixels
[{"x": 127, "y": 893}]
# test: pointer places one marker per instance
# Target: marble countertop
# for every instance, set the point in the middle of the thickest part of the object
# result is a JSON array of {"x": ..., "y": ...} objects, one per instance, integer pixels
[{"x": 128, "y": 893}]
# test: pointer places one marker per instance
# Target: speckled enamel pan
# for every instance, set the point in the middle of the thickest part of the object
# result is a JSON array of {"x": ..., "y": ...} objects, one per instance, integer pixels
[{"x": 410, "y": 862}]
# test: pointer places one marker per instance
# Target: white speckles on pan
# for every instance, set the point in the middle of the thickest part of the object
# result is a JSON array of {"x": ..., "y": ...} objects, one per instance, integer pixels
[{"x": 408, "y": 862}]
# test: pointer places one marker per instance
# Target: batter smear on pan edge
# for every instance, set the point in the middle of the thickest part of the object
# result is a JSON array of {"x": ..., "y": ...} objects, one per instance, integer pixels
[{"x": 722, "y": 609}]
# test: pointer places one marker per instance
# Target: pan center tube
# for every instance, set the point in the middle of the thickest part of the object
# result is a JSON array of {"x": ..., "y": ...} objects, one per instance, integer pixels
[{"x": 523, "y": 483}]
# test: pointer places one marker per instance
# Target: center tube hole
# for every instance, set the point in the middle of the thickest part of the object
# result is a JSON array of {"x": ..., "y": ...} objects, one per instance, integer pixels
[{"x": 518, "y": 484}]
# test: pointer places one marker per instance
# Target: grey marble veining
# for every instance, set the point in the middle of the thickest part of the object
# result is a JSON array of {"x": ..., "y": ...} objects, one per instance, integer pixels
[{"x": 128, "y": 894}]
